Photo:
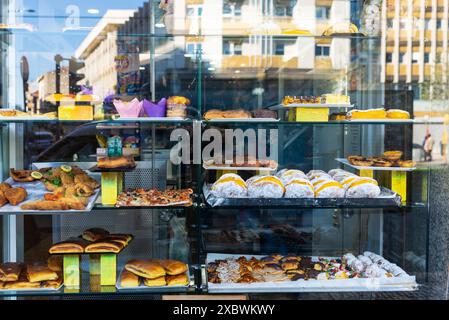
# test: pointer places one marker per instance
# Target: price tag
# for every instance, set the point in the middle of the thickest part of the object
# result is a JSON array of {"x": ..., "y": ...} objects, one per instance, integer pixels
[
  {"x": 399, "y": 183},
  {"x": 108, "y": 269},
  {"x": 111, "y": 186},
  {"x": 312, "y": 114},
  {"x": 72, "y": 274}
]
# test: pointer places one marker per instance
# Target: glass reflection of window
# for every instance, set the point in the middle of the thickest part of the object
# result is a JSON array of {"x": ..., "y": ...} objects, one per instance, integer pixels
[
  {"x": 193, "y": 48},
  {"x": 322, "y": 51},
  {"x": 232, "y": 48},
  {"x": 232, "y": 9},
  {"x": 426, "y": 57},
  {"x": 323, "y": 12},
  {"x": 194, "y": 11},
  {"x": 438, "y": 23},
  {"x": 389, "y": 57},
  {"x": 401, "y": 57},
  {"x": 279, "y": 49},
  {"x": 389, "y": 23}
]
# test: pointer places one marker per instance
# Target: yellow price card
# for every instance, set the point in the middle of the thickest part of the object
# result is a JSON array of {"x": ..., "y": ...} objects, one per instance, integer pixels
[
  {"x": 399, "y": 183},
  {"x": 108, "y": 269},
  {"x": 111, "y": 186},
  {"x": 312, "y": 114},
  {"x": 366, "y": 173},
  {"x": 72, "y": 273}
]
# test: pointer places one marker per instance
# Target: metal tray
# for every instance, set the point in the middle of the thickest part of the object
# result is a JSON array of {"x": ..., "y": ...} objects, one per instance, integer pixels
[
  {"x": 346, "y": 162},
  {"x": 35, "y": 290},
  {"x": 406, "y": 283},
  {"x": 232, "y": 120},
  {"x": 36, "y": 191},
  {"x": 144, "y": 288},
  {"x": 387, "y": 198}
]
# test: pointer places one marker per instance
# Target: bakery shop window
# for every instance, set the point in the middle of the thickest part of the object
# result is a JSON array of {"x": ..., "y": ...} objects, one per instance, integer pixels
[
  {"x": 322, "y": 12},
  {"x": 322, "y": 50}
]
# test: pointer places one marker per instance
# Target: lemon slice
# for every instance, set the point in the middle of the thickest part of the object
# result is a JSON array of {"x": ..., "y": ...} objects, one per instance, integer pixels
[
  {"x": 66, "y": 168},
  {"x": 36, "y": 175}
]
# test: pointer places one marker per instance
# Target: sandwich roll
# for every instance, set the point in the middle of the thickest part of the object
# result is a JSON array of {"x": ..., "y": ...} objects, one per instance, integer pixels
[
  {"x": 104, "y": 246},
  {"x": 129, "y": 279},
  {"x": 38, "y": 273},
  {"x": 148, "y": 269},
  {"x": 177, "y": 280},
  {"x": 157, "y": 282},
  {"x": 94, "y": 234},
  {"x": 173, "y": 267},
  {"x": 72, "y": 245}
]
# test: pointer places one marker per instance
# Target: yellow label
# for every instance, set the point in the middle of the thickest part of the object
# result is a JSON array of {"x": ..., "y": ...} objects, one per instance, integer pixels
[
  {"x": 312, "y": 114},
  {"x": 111, "y": 186},
  {"x": 72, "y": 275},
  {"x": 108, "y": 269},
  {"x": 367, "y": 173},
  {"x": 76, "y": 113},
  {"x": 399, "y": 183}
]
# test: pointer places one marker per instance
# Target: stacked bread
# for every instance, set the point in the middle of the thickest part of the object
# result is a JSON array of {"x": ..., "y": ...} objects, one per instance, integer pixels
[
  {"x": 154, "y": 273},
  {"x": 94, "y": 240},
  {"x": 290, "y": 183},
  {"x": 14, "y": 276}
]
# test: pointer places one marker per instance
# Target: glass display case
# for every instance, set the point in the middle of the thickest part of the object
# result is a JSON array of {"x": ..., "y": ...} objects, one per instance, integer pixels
[{"x": 273, "y": 149}]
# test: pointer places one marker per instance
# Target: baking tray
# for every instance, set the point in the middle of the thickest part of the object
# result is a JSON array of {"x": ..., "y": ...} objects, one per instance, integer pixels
[
  {"x": 144, "y": 288},
  {"x": 232, "y": 120},
  {"x": 36, "y": 290},
  {"x": 387, "y": 198},
  {"x": 346, "y": 162},
  {"x": 405, "y": 283},
  {"x": 36, "y": 191}
]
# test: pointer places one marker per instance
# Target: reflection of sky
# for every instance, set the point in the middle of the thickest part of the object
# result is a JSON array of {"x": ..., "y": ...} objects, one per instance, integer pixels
[{"x": 49, "y": 19}]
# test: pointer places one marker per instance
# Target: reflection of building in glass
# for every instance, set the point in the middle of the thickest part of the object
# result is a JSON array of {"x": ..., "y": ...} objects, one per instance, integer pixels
[
  {"x": 99, "y": 51},
  {"x": 3, "y": 49},
  {"x": 46, "y": 86}
]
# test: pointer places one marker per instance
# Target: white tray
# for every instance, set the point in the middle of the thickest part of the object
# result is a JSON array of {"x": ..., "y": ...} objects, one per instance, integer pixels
[
  {"x": 382, "y": 120},
  {"x": 346, "y": 162},
  {"x": 143, "y": 288},
  {"x": 256, "y": 120},
  {"x": 152, "y": 119},
  {"x": 405, "y": 283},
  {"x": 36, "y": 191},
  {"x": 312, "y": 105}
]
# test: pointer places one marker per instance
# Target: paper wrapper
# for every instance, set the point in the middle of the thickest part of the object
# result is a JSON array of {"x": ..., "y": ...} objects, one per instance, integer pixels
[{"x": 132, "y": 109}]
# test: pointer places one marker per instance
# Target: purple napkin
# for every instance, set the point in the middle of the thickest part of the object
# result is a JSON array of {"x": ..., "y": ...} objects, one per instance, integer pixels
[{"x": 156, "y": 110}]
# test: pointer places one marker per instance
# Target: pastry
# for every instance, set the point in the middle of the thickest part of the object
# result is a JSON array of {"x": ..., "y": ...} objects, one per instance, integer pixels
[
  {"x": 331, "y": 98},
  {"x": 177, "y": 280},
  {"x": 38, "y": 273},
  {"x": 397, "y": 114},
  {"x": 72, "y": 245},
  {"x": 148, "y": 269},
  {"x": 45, "y": 205},
  {"x": 265, "y": 187},
  {"x": 116, "y": 162},
  {"x": 55, "y": 263},
  {"x": 10, "y": 271},
  {"x": 264, "y": 114},
  {"x": 289, "y": 100},
  {"x": 3, "y": 199},
  {"x": 124, "y": 239},
  {"x": 156, "y": 282},
  {"x": 22, "y": 283},
  {"x": 54, "y": 284},
  {"x": 104, "y": 247},
  {"x": 367, "y": 114},
  {"x": 87, "y": 180},
  {"x": 229, "y": 186},
  {"x": 15, "y": 195},
  {"x": 178, "y": 100},
  {"x": 4, "y": 186},
  {"x": 237, "y": 114},
  {"x": 381, "y": 162},
  {"x": 173, "y": 267},
  {"x": 94, "y": 234},
  {"x": 21, "y": 175},
  {"x": 363, "y": 188},
  {"x": 329, "y": 189},
  {"x": 213, "y": 114},
  {"x": 299, "y": 188},
  {"x": 129, "y": 279},
  {"x": 393, "y": 155},
  {"x": 288, "y": 174},
  {"x": 360, "y": 161},
  {"x": 406, "y": 163},
  {"x": 141, "y": 197}
]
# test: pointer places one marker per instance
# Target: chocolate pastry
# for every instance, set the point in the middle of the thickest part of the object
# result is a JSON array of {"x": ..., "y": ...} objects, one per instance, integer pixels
[
  {"x": 381, "y": 162},
  {"x": 273, "y": 268},
  {"x": 214, "y": 278},
  {"x": 299, "y": 276},
  {"x": 211, "y": 267},
  {"x": 269, "y": 259},
  {"x": 247, "y": 278},
  {"x": 264, "y": 113},
  {"x": 360, "y": 161},
  {"x": 291, "y": 257},
  {"x": 312, "y": 273},
  {"x": 289, "y": 264},
  {"x": 306, "y": 262}
]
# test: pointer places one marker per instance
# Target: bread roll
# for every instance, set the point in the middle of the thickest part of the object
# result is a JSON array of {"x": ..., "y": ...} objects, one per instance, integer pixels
[
  {"x": 10, "y": 271},
  {"x": 104, "y": 247},
  {"x": 129, "y": 279},
  {"x": 157, "y": 282},
  {"x": 38, "y": 273},
  {"x": 55, "y": 284},
  {"x": 94, "y": 234},
  {"x": 173, "y": 267},
  {"x": 148, "y": 269},
  {"x": 178, "y": 280},
  {"x": 72, "y": 245}
]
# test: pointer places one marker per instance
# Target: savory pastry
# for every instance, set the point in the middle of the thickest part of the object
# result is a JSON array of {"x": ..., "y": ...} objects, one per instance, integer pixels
[
  {"x": 104, "y": 247},
  {"x": 21, "y": 283},
  {"x": 393, "y": 155},
  {"x": 94, "y": 234},
  {"x": 363, "y": 188},
  {"x": 406, "y": 163},
  {"x": 10, "y": 271},
  {"x": 3, "y": 199},
  {"x": 72, "y": 245},
  {"x": 332, "y": 98},
  {"x": 213, "y": 114},
  {"x": 55, "y": 263},
  {"x": 85, "y": 179},
  {"x": 116, "y": 162},
  {"x": 54, "y": 284},
  {"x": 156, "y": 282},
  {"x": 141, "y": 198},
  {"x": 381, "y": 162},
  {"x": 66, "y": 179},
  {"x": 329, "y": 189},
  {"x": 125, "y": 239},
  {"x": 237, "y": 114},
  {"x": 397, "y": 114},
  {"x": 38, "y": 273},
  {"x": 299, "y": 188},
  {"x": 129, "y": 279},
  {"x": 367, "y": 114},
  {"x": 15, "y": 195},
  {"x": 177, "y": 280},
  {"x": 45, "y": 205},
  {"x": 4, "y": 186},
  {"x": 265, "y": 187},
  {"x": 288, "y": 174},
  {"x": 229, "y": 186},
  {"x": 288, "y": 100},
  {"x": 172, "y": 267},
  {"x": 148, "y": 269}
]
